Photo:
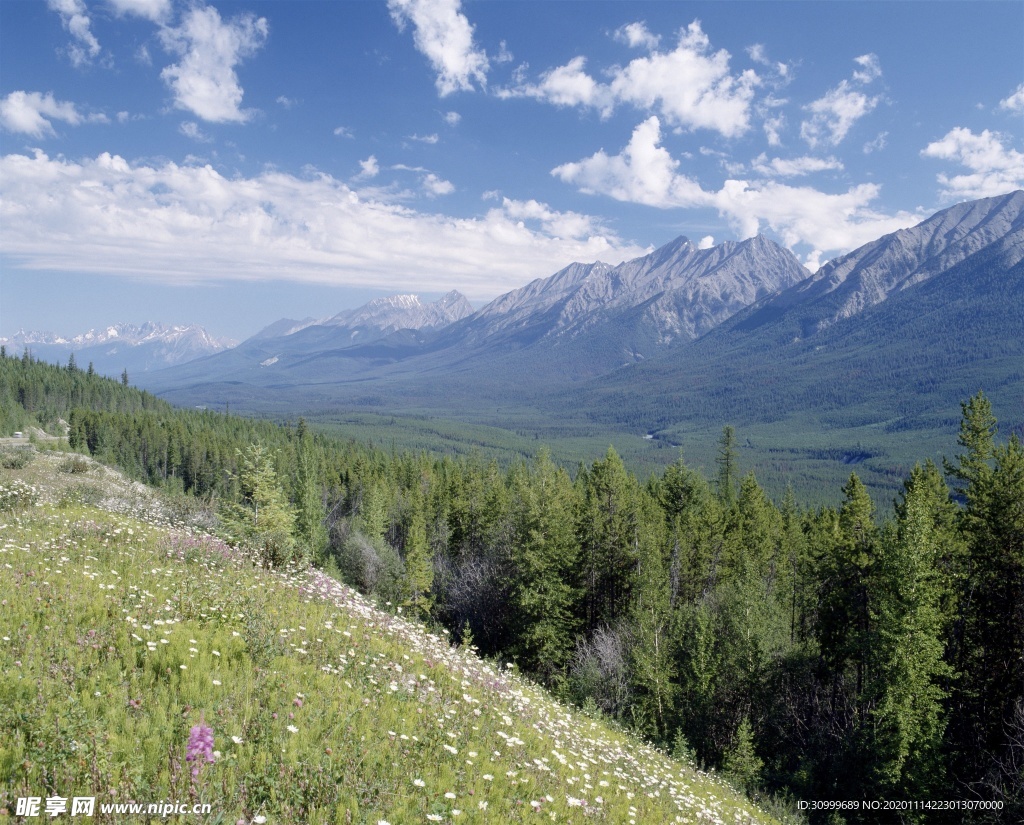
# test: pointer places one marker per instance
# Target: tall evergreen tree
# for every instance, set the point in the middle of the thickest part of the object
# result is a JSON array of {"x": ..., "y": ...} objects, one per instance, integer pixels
[{"x": 263, "y": 518}]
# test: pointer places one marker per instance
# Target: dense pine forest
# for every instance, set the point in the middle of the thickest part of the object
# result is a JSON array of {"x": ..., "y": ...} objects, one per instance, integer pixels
[{"x": 811, "y": 654}]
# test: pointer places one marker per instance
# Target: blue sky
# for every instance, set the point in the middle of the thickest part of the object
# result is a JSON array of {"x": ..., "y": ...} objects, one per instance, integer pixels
[{"x": 232, "y": 163}]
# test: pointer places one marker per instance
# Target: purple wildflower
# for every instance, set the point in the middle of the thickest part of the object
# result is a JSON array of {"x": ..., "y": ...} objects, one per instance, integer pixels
[{"x": 200, "y": 746}]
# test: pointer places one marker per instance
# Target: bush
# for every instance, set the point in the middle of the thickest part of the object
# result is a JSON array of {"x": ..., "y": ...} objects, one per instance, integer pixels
[
  {"x": 17, "y": 459},
  {"x": 75, "y": 465}
]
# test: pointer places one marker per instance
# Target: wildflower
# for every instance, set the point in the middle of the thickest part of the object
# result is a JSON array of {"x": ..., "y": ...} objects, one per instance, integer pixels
[
  {"x": 419, "y": 783},
  {"x": 449, "y": 795},
  {"x": 200, "y": 746},
  {"x": 293, "y": 729},
  {"x": 434, "y": 817}
]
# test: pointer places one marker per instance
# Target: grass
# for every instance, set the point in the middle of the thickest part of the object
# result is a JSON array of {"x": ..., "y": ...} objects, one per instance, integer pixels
[{"x": 122, "y": 631}]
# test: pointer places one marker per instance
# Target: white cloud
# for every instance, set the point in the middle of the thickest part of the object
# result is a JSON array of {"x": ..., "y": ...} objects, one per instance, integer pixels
[
  {"x": 430, "y": 139},
  {"x": 504, "y": 55},
  {"x": 870, "y": 68},
  {"x": 32, "y": 113},
  {"x": 759, "y": 55},
  {"x": 706, "y": 242},
  {"x": 995, "y": 167},
  {"x": 287, "y": 102},
  {"x": 644, "y": 172},
  {"x": 877, "y": 144},
  {"x": 369, "y": 167},
  {"x": 204, "y": 82},
  {"x": 552, "y": 222},
  {"x": 833, "y": 115},
  {"x": 343, "y": 131},
  {"x": 452, "y": 118},
  {"x": 1015, "y": 102},
  {"x": 190, "y": 129},
  {"x": 155, "y": 10},
  {"x": 445, "y": 37},
  {"x": 75, "y": 17},
  {"x": 435, "y": 186},
  {"x": 188, "y": 224},
  {"x": 567, "y": 85},
  {"x": 690, "y": 86},
  {"x": 636, "y": 35},
  {"x": 793, "y": 167}
]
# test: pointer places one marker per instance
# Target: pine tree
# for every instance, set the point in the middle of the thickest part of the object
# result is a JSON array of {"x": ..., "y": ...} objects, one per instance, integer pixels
[
  {"x": 263, "y": 518},
  {"x": 727, "y": 466},
  {"x": 419, "y": 565},
  {"x": 544, "y": 556},
  {"x": 310, "y": 514},
  {"x": 908, "y": 671}
]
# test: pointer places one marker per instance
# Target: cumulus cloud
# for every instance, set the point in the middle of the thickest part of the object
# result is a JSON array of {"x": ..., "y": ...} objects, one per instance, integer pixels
[
  {"x": 445, "y": 37},
  {"x": 75, "y": 17},
  {"x": 690, "y": 86},
  {"x": 369, "y": 167},
  {"x": 645, "y": 172},
  {"x": 995, "y": 167},
  {"x": 1015, "y": 102},
  {"x": 204, "y": 82},
  {"x": 833, "y": 115},
  {"x": 189, "y": 223},
  {"x": 32, "y": 113},
  {"x": 636, "y": 35},
  {"x": 452, "y": 118},
  {"x": 554, "y": 223},
  {"x": 706, "y": 242},
  {"x": 343, "y": 131},
  {"x": 793, "y": 167},
  {"x": 155, "y": 10},
  {"x": 435, "y": 186}
]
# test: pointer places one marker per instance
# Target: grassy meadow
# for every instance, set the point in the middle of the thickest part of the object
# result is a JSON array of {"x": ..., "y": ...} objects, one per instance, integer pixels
[{"x": 125, "y": 629}]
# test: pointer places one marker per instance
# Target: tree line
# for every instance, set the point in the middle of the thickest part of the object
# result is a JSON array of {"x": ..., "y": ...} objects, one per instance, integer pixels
[{"x": 815, "y": 653}]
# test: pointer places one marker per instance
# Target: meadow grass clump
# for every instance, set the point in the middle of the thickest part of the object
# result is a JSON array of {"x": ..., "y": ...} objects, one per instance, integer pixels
[{"x": 145, "y": 662}]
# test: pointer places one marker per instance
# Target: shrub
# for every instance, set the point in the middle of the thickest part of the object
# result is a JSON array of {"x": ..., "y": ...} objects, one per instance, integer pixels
[
  {"x": 75, "y": 465},
  {"x": 17, "y": 459}
]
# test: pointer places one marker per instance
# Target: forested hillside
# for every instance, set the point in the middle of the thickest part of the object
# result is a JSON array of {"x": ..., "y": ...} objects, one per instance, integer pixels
[{"x": 815, "y": 653}]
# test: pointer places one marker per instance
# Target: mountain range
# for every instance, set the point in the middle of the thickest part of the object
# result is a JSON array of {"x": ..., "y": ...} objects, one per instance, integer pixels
[
  {"x": 886, "y": 339},
  {"x": 132, "y": 347}
]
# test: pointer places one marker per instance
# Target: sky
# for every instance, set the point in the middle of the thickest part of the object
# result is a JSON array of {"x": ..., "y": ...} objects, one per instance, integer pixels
[{"x": 233, "y": 163}]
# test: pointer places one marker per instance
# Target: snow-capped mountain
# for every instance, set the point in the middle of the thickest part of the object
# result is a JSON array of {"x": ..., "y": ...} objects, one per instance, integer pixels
[
  {"x": 397, "y": 312},
  {"x": 119, "y": 347}
]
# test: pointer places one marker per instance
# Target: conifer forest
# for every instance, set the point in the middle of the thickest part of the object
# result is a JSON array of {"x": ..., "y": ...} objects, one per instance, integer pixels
[{"x": 807, "y": 654}]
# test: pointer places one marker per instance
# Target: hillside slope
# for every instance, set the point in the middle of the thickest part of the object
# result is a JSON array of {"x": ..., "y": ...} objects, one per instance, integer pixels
[{"x": 130, "y": 645}]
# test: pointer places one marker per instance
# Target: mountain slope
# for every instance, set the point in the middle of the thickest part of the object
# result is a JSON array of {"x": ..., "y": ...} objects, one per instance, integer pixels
[
  {"x": 880, "y": 343},
  {"x": 583, "y": 321},
  {"x": 141, "y": 646}
]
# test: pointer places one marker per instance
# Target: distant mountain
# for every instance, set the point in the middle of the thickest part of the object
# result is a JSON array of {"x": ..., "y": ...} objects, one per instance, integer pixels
[
  {"x": 133, "y": 347},
  {"x": 891, "y": 336},
  {"x": 878, "y": 343},
  {"x": 581, "y": 322}
]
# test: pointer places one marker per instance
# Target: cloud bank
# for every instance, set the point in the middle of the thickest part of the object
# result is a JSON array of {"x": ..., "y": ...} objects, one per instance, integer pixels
[{"x": 188, "y": 224}]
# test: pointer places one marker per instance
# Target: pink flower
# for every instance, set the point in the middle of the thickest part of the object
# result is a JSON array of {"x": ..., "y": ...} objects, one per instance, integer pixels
[{"x": 200, "y": 746}]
